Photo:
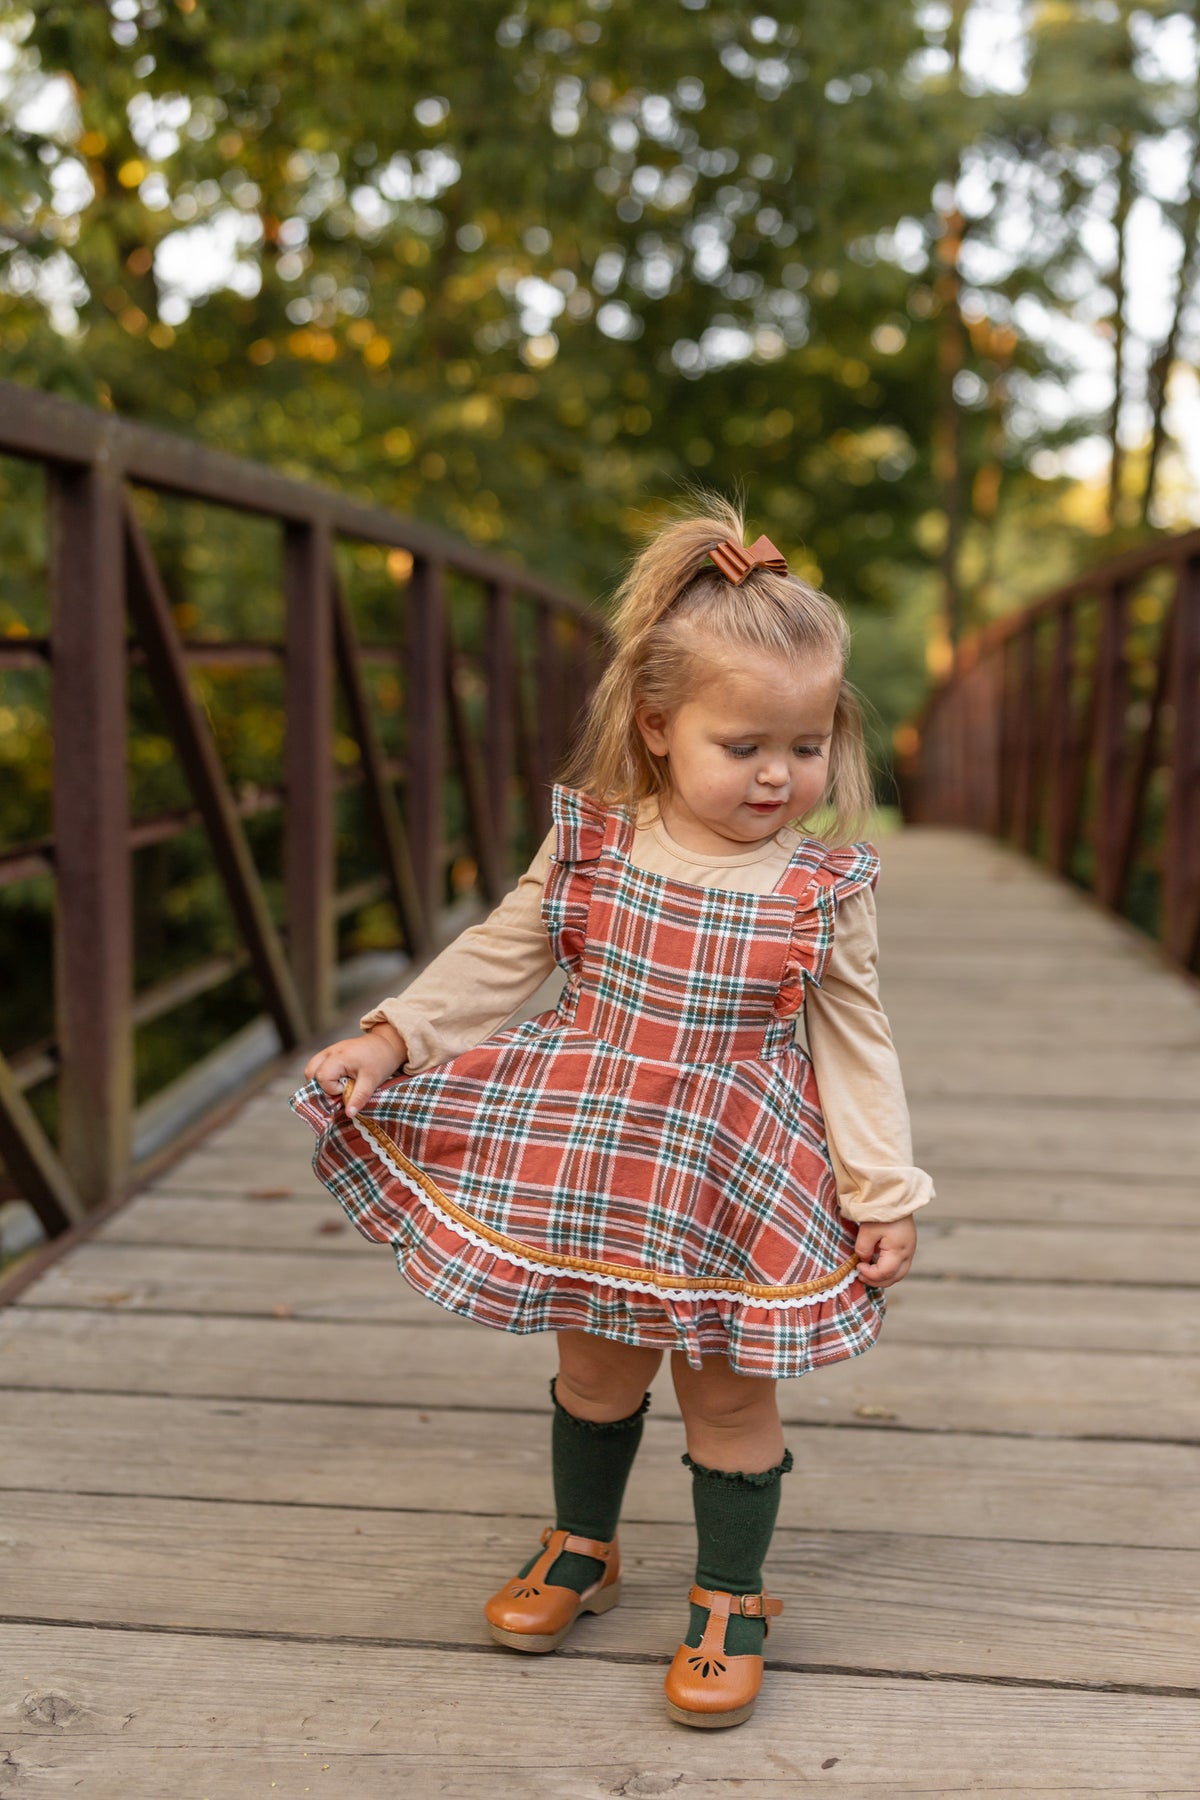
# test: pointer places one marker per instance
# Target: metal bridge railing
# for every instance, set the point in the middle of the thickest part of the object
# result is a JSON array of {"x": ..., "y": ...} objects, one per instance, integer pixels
[
  {"x": 525, "y": 684},
  {"x": 1072, "y": 729}
]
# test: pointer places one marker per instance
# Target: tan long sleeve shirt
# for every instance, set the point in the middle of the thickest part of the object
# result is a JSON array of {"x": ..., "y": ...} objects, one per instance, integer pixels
[{"x": 492, "y": 968}]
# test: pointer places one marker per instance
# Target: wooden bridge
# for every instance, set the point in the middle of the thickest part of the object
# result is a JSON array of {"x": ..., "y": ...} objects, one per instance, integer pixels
[{"x": 254, "y": 1490}]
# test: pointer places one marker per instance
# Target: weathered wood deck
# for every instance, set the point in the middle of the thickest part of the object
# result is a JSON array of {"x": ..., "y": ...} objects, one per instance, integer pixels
[{"x": 254, "y": 1489}]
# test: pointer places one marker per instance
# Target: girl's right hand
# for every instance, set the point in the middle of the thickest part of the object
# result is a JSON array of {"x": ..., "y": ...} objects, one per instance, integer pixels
[{"x": 367, "y": 1060}]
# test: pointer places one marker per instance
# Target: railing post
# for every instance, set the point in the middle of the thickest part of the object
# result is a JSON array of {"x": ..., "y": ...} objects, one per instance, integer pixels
[
  {"x": 993, "y": 701},
  {"x": 308, "y": 833},
  {"x": 1006, "y": 778},
  {"x": 1181, "y": 852},
  {"x": 1024, "y": 802},
  {"x": 500, "y": 727},
  {"x": 93, "y": 923},
  {"x": 425, "y": 705},
  {"x": 1060, "y": 823},
  {"x": 1111, "y": 676}
]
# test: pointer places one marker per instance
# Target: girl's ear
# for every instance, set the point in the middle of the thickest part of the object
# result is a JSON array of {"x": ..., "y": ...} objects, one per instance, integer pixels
[{"x": 650, "y": 722}]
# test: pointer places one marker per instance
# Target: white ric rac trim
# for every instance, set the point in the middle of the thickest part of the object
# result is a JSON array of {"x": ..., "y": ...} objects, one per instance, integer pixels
[{"x": 598, "y": 1280}]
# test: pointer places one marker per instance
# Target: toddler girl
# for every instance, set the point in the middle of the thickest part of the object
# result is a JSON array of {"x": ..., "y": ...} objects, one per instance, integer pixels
[{"x": 656, "y": 1164}]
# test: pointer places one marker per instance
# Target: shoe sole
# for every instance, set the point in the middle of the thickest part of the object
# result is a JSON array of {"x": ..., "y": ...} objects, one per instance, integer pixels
[
  {"x": 540, "y": 1643},
  {"x": 711, "y": 1721}
]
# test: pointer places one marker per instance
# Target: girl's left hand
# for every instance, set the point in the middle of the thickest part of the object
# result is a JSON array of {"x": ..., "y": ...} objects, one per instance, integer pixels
[{"x": 885, "y": 1251}]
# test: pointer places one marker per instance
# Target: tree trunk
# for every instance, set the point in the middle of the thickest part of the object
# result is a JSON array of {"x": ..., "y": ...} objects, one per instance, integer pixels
[
  {"x": 947, "y": 436},
  {"x": 1120, "y": 215},
  {"x": 1164, "y": 359}
]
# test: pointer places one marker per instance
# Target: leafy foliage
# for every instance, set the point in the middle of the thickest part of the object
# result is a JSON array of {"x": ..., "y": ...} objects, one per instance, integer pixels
[{"x": 529, "y": 267}]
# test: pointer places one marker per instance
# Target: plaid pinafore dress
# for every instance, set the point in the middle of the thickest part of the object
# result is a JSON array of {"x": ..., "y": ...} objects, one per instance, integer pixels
[{"x": 648, "y": 1160}]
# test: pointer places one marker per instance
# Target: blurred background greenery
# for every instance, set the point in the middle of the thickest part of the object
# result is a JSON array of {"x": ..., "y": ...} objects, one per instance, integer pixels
[{"x": 528, "y": 270}]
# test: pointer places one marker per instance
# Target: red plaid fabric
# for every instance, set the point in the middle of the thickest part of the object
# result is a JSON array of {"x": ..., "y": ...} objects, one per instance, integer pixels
[{"x": 647, "y": 1161}]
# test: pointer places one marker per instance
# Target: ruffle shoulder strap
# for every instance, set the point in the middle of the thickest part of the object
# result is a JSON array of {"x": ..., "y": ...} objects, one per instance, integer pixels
[
  {"x": 579, "y": 825},
  {"x": 848, "y": 867},
  {"x": 821, "y": 879}
]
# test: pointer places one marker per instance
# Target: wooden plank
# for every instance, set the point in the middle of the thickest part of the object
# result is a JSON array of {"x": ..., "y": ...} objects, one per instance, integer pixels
[
  {"x": 1065, "y": 1196},
  {"x": 1010, "y": 1248},
  {"x": 885, "y": 1602},
  {"x": 945, "y": 1309},
  {"x": 122, "y": 1716},
  {"x": 1067, "y": 1136},
  {"x": 1130, "y": 1078},
  {"x": 1069, "y": 1393},
  {"x": 398, "y": 1456}
]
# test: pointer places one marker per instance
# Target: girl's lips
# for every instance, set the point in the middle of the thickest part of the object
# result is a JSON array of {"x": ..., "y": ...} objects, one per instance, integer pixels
[{"x": 764, "y": 805}]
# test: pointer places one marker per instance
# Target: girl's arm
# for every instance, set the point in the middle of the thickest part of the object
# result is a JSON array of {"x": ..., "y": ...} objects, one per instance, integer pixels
[
  {"x": 858, "y": 1075},
  {"x": 478, "y": 981}
]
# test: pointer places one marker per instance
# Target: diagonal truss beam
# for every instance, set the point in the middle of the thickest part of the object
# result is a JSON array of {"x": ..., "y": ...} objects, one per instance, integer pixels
[
  {"x": 393, "y": 839},
  {"x": 471, "y": 768},
  {"x": 32, "y": 1162},
  {"x": 165, "y": 665}
]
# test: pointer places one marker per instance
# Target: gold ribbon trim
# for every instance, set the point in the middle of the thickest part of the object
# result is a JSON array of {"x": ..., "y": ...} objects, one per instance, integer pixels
[{"x": 566, "y": 1264}]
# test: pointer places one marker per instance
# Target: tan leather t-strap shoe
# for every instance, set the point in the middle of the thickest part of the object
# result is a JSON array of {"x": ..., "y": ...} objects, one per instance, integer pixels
[
  {"x": 531, "y": 1613},
  {"x": 706, "y": 1686}
]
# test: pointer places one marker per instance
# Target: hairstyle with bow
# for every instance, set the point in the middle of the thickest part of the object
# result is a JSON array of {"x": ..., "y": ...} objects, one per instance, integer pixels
[{"x": 693, "y": 590}]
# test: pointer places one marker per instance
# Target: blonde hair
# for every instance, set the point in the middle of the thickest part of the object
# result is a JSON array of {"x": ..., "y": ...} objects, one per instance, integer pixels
[{"x": 671, "y": 611}]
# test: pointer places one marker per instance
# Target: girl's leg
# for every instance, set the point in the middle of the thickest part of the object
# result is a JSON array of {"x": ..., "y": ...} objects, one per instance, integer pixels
[
  {"x": 732, "y": 1420},
  {"x": 600, "y": 1395},
  {"x": 601, "y": 1380},
  {"x": 737, "y": 1459}
]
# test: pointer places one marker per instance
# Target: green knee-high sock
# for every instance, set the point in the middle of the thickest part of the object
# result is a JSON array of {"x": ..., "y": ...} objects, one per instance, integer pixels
[
  {"x": 591, "y": 1465},
  {"x": 735, "y": 1520}
]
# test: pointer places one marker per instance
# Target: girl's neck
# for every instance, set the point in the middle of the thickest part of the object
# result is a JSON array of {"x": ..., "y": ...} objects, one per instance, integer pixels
[{"x": 701, "y": 840}]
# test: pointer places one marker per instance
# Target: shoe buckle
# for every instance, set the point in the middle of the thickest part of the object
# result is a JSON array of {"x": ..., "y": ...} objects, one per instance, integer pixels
[{"x": 752, "y": 1606}]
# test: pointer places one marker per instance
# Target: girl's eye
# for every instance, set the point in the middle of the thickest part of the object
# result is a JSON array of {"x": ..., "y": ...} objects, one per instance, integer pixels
[{"x": 744, "y": 750}]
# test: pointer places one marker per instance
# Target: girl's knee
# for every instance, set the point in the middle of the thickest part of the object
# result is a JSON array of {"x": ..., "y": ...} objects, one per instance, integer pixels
[
  {"x": 602, "y": 1380},
  {"x": 721, "y": 1399}
]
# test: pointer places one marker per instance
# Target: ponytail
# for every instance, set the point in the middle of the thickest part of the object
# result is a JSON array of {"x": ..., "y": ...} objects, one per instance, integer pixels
[{"x": 672, "y": 612}]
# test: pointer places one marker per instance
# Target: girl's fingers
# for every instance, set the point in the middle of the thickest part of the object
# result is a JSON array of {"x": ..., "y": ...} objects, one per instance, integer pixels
[
  {"x": 357, "y": 1092},
  {"x": 328, "y": 1071}
]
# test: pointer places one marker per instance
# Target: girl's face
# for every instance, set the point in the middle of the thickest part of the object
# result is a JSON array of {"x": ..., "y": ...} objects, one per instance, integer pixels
[{"x": 747, "y": 752}]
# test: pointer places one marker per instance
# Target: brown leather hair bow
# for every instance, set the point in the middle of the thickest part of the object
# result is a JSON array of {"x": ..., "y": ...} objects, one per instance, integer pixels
[{"x": 735, "y": 562}]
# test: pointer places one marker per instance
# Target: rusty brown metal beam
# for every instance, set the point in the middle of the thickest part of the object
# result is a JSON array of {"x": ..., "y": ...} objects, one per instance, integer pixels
[
  {"x": 49, "y": 429},
  {"x": 184, "y": 719},
  {"x": 1054, "y": 749},
  {"x": 308, "y": 764},
  {"x": 425, "y": 693},
  {"x": 475, "y": 791},
  {"x": 1181, "y": 884},
  {"x": 499, "y": 729},
  {"x": 93, "y": 910},
  {"x": 102, "y": 570},
  {"x": 31, "y": 1161},
  {"x": 381, "y": 795}
]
